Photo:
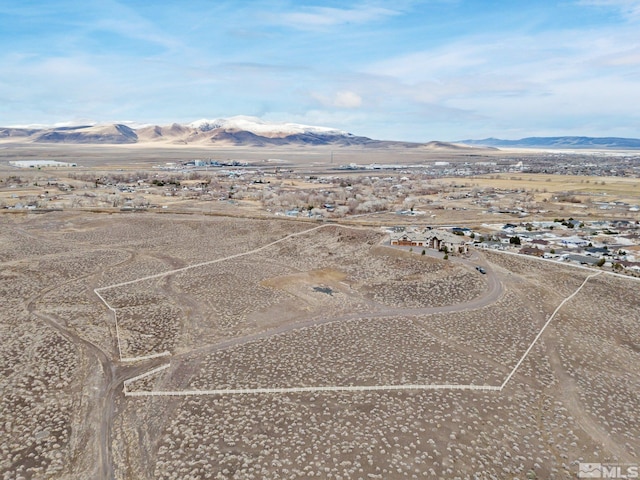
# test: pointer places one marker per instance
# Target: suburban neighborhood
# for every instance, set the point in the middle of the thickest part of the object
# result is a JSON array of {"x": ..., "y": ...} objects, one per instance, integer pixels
[{"x": 611, "y": 245}]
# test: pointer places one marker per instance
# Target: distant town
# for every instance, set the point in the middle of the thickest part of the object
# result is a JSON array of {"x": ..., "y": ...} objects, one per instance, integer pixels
[{"x": 518, "y": 204}]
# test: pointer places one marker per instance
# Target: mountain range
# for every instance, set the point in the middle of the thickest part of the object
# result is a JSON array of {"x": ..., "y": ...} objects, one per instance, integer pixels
[
  {"x": 558, "y": 142},
  {"x": 234, "y": 131},
  {"x": 254, "y": 132}
]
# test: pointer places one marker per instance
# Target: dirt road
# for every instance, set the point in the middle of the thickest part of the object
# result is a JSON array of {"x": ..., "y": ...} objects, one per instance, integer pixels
[
  {"x": 489, "y": 296},
  {"x": 571, "y": 400},
  {"x": 113, "y": 375},
  {"x": 110, "y": 390}
]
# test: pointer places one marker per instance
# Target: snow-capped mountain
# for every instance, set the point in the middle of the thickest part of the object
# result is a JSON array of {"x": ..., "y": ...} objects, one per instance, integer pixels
[
  {"x": 260, "y": 127},
  {"x": 242, "y": 131},
  {"x": 234, "y": 131}
]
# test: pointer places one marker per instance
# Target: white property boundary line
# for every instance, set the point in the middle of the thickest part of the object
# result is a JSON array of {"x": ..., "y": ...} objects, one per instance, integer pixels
[
  {"x": 346, "y": 388},
  {"x": 115, "y": 317},
  {"x": 218, "y": 260},
  {"x": 545, "y": 326},
  {"x": 202, "y": 264},
  {"x": 349, "y": 388}
]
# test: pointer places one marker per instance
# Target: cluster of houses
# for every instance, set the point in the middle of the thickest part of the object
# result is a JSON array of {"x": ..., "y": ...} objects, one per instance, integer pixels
[
  {"x": 614, "y": 244},
  {"x": 608, "y": 244},
  {"x": 438, "y": 239}
]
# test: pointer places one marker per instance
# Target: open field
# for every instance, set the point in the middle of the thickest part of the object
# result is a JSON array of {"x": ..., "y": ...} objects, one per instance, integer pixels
[
  {"x": 545, "y": 186},
  {"x": 332, "y": 306}
]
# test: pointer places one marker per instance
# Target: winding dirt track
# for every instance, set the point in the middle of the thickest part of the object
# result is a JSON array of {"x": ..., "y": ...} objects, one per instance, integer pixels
[
  {"x": 571, "y": 400},
  {"x": 108, "y": 394},
  {"x": 490, "y": 296},
  {"x": 111, "y": 392},
  {"x": 114, "y": 374}
]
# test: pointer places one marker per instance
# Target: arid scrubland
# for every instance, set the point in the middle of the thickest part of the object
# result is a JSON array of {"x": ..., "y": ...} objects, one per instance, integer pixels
[
  {"x": 45, "y": 376},
  {"x": 606, "y": 381},
  {"x": 372, "y": 435},
  {"x": 332, "y": 306}
]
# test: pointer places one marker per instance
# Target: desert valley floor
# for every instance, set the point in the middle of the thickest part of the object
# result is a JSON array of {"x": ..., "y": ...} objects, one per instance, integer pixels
[{"x": 241, "y": 304}]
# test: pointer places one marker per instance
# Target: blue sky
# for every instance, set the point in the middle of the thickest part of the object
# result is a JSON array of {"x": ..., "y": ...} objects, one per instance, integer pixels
[{"x": 403, "y": 69}]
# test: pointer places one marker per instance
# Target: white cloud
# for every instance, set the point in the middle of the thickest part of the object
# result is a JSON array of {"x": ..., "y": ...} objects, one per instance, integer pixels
[
  {"x": 619, "y": 58},
  {"x": 65, "y": 68},
  {"x": 518, "y": 65},
  {"x": 341, "y": 99},
  {"x": 628, "y": 8},
  {"x": 324, "y": 17},
  {"x": 569, "y": 80},
  {"x": 431, "y": 64},
  {"x": 117, "y": 17},
  {"x": 348, "y": 100}
]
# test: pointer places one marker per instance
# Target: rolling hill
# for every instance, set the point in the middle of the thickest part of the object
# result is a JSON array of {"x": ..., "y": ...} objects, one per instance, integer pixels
[{"x": 559, "y": 142}]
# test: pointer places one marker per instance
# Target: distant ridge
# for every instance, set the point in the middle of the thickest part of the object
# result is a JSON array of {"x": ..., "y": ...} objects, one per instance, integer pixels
[
  {"x": 94, "y": 134},
  {"x": 558, "y": 142},
  {"x": 240, "y": 131}
]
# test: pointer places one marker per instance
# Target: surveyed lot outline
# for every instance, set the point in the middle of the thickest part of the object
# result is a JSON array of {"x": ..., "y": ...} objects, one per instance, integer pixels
[{"x": 307, "y": 389}]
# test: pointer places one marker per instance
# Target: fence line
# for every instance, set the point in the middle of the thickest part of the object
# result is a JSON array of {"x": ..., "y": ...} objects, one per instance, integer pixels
[
  {"x": 345, "y": 388},
  {"x": 202, "y": 264},
  {"x": 351, "y": 388},
  {"x": 145, "y": 374},
  {"x": 115, "y": 317},
  {"x": 145, "y": 357},
  {"x": 230, "y": 257},
  {"x": 544, "y": 327}
]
